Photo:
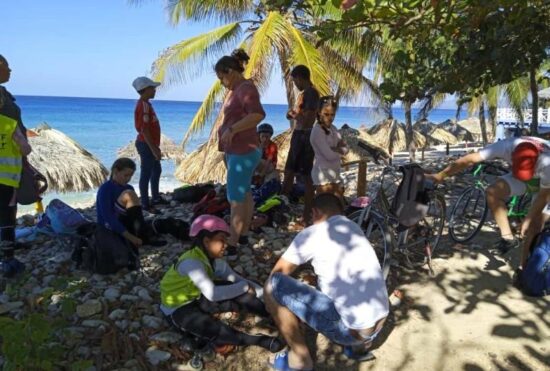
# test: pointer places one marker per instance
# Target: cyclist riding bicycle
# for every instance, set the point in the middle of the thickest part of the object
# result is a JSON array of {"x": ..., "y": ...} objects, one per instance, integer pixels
[{"x": 529, "y": 158}]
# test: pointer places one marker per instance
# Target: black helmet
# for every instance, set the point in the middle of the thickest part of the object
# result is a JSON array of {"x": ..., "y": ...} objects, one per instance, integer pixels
[{"x": 265, "y": 128}]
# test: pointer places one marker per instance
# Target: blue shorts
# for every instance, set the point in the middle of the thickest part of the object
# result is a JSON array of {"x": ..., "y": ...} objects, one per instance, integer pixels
[
  {"x": 240, "y": 169},
  {"x": 314, "y": 308}
]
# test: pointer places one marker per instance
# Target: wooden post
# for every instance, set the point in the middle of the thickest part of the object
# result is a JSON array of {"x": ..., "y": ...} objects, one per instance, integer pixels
[
  {"x": 447, "y": 150},
  {"x": 362, "y": 178}
]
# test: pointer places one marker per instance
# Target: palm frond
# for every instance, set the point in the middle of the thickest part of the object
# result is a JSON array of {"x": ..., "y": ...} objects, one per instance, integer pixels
[
  {"x": 190, "y": 58},
  {"x": 516, "y": 93},
  {"x": 201, "y": 10},
  {"x": 206, "y": 111}
]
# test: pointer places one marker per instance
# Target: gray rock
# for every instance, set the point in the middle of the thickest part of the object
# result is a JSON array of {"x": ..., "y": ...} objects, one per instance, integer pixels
[
  {"x": 4, "y": 298},
  {"x": 123, "y": 324},
  {"x": 144, "y": 295},
  {"x": 117, "y": 314},
  {"x": 9, "y": 307},
  {"x": 47, "y": 279},
  {"x": 155, "y": 356},
  {"x": 89, "y": 308},
  {"x": 84, "y": 352},
  {"x": 95, "y": 323},
  {"x": 152, "y": 322},
  {"x": 167, "y": 337},
  {"x": 127, "y": 297},
  {"x": 239, "y": 269},
  {"x": 111, "y": 294}
]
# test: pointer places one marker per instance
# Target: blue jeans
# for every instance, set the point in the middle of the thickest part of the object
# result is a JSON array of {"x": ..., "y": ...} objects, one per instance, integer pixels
[
  {"x": 150, "y": 172},
  {"x": 313, "y": 307}
]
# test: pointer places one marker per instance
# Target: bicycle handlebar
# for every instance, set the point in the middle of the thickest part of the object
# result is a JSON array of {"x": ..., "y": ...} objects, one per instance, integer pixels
[{"x": 491, "y": 168}]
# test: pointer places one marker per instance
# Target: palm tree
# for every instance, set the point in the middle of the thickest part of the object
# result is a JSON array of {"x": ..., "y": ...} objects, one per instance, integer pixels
[{"x": 273, "y": 40}]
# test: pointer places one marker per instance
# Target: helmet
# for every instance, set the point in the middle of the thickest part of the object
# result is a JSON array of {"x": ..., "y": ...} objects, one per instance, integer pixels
[
  {"x": 265, "y": 128},
  {"x": 524, "y": 160},
  {"x": 209, "y": 223}
]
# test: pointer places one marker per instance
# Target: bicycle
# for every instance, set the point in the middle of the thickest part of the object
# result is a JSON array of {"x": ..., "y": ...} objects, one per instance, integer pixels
[
  {"x": 469, "y": 212},
  {"x": 388, "y": 237}
]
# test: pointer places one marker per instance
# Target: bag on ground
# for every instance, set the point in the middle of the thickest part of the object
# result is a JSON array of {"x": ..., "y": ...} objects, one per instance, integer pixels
[
  {"x": 33, "y": 185},
  {"x": 212, "y": 204},
  {"x": 175, "y": 227},
  {"x": 191, "y": 193},
  {"x": 410, "y": 204},
  {"x": 535, "y": 278},
  {"x": 60, "y": 218}
]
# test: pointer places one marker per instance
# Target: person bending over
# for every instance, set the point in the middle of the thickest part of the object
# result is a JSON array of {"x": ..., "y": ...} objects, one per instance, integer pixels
[
  {"x": 352, "y": 304},
  {"x": 529, "y": 158},
  {"x": 189, "y": 294}
]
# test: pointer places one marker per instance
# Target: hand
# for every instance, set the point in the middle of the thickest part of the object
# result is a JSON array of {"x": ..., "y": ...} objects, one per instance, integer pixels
[
  {"x": 291, "y": 114},
  {"x": 227, "y": 137},
  {"x": 436, "y": 178},
  {"x": 157, "y": 154}
]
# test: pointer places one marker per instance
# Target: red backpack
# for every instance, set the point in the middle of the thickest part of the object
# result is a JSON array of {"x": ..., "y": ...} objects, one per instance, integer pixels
[{"x": 212, "y": 204}]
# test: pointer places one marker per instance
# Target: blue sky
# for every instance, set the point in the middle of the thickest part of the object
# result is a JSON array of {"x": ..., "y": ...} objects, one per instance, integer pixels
[{"x": 94, "y": 48}]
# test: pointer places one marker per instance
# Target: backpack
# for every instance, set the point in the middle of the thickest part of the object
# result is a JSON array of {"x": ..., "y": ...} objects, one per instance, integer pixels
[
  {"x": 32, "y": 185},
  {"x": 191, "y": 193},
  {"x": 103, "y": 251},
  {"x": 535, "y": 278},
  {"x": 212, "y": 204},
  {"x": 176, "y": 227},
  {"x": 60, "y": 218},
  {"x": 410, "y": 204}
]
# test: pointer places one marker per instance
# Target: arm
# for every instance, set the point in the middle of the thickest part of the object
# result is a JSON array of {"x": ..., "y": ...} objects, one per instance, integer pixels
[
  {"x": 320, "y": 146},
  {"x": 457, "y": 166},
  {"x": 195, "y": 270},
  {"x": 283, "y": 266},
  {"x": 532, "y": 224},
  {"x": 22, "y": 143}
]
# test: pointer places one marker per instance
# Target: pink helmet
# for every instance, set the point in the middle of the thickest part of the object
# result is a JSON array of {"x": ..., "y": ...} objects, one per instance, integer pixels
[{"x": 210, "y": 223}]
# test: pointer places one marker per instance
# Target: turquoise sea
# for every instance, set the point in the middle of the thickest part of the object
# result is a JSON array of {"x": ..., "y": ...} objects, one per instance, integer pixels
[{"x": 103, "y": 126}]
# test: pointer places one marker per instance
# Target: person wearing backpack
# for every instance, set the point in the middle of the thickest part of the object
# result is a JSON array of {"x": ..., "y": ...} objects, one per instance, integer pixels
[
  {"x": 190, "y": 294},
  {"x": 329, "y": 148},
  {"x": 118, "y": 206},
  {"x": 529, "y": 158}
]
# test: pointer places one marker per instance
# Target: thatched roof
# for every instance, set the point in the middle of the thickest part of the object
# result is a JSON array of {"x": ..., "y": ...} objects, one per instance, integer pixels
[
  {"x": 434, "y": 134},
  {"x": 390, "y": 135},
  {"x": 169, "y": 149},
  {"x": 461, "y": 133},
  {"x": 66, "y": 165},
  {"x": 361, "y": 145},
  {"x": 205, "y": 164},
  {"x": 472, "y": 125}
]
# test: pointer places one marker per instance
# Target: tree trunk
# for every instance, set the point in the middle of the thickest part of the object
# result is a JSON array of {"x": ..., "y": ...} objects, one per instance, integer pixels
[
  {"x": 483, "y": 123},
  {"x": 535, "y": 106},
  {"x": 458, "y": 109},
  {"x": 409, "y": 131},
  {"x": 492, "y": 120}
]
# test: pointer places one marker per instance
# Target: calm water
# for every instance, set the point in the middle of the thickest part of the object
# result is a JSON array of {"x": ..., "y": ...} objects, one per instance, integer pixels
[{"x": 103, "y": 126}]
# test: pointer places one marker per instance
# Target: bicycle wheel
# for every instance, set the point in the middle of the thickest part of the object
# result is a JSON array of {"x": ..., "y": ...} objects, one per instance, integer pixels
[
  {"x": 379, "y": 238},
  {"x": 426, "y": 233},
  {"x": 468, "y": 214}
]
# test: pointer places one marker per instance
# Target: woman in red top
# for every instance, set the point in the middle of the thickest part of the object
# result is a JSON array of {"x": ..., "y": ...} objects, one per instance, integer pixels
[{"x": 242, "y": 112}]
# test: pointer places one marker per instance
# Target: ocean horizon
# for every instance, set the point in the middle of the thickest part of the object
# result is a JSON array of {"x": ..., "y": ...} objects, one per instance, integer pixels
[{"x": 104, "y": 125}]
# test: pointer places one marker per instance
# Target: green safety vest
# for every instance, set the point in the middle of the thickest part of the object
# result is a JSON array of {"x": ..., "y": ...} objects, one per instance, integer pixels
[
  {"x": 11, "y": 161},
  {"x": 177, "y": 290}
]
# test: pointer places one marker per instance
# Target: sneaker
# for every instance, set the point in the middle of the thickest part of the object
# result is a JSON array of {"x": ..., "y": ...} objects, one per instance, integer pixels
[
  {"x": 503, "y": 246},
  {"x": 231, "y": 252},
  {"x": 360, "y": 356}
]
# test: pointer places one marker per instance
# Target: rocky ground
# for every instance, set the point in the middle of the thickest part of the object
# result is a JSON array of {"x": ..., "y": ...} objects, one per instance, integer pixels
[{"x": 466, "y": 317}]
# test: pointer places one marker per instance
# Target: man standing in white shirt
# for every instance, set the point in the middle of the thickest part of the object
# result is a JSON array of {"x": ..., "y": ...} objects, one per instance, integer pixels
[{"x": 352, "y": 304}]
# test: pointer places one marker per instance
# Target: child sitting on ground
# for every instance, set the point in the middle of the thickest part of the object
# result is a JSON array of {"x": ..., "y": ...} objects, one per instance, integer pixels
[
  {"x": 266, "y": 178},
  {"x": 190, "y": 296}
]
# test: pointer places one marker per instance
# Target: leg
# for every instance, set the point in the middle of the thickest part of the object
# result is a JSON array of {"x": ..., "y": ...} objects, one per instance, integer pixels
[
  {"x": 239, "y": 210},
  {"x": 308, "y": 199},
  {"x": 288, "y": 182},
  {"x": 146, "y": 170},
  {"x": 290, "y": 166},
  {"x": 534, "y": 228},
  {"x": 133, "y": 219},
  {"x": 248, "y": 303},
  {"x": 7, "y": 220},
  {"x": 155, "y": 179},
  {"x": 497, "y": 195},
  {"x": 249, "y": 207}
]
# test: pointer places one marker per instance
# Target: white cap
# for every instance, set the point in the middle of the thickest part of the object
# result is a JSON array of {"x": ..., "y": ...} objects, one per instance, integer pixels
[{"x": 143, "y": 82}]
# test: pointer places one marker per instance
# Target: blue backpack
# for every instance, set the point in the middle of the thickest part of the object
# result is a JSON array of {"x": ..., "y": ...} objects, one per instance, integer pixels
[{"x": 535, "y": 278}]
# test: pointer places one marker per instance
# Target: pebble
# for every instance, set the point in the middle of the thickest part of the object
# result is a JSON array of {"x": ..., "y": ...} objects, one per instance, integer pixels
[
  {"x": 155, "y": 356},
  {"x": 11, "y": 306},
  {"x": 111, "y": 293},
  {"x": 144, "y": 295},
  {"x": 89, "y": 308},
  {"x": 117, "y": 314},
  {"x": 166, "y": 337},
  {"x": 97, "y": 323},
  {"x": 150, "y": 321},
  {"x": 126, "y": 297}
]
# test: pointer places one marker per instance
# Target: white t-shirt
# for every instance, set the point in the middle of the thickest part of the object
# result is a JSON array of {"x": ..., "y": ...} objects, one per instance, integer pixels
[
  {"x": 347, "y": 268},
  {"x": 503, "y": 149}
]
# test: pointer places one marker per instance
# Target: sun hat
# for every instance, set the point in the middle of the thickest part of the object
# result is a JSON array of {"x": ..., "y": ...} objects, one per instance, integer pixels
[
  {"x": 143, "y": 82},
  {"x": 524, "y": 160},
  {"x": 210, "y": 223}
]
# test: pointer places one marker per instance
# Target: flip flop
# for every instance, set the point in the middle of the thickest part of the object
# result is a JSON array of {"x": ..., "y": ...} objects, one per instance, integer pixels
[{"x": 280, "y": 363}]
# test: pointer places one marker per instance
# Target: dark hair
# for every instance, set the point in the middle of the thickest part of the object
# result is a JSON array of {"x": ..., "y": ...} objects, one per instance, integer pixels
[
  {"x": 327, "y": 100},
  {"x": 301, "y": 71},
  {"x": 241, "y": 56},
  {"x": 2, "y": 59},
  {"x": 122, "y": 164},
  {"x": 234, "y": 62},
  {"x": 328, "y": 203}
]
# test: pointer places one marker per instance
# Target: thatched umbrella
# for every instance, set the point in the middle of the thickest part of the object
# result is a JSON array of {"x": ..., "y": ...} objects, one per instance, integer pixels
[
  {"x": 390, "y": 135},
  {"x": 66, "y": 165},
  {"x": 205, "y": 164},
  {"x": 461, "y": 133},
  {"x": 361, "y": 145},
  {"x": 473, "y": 126},
  {"x": 434, "y": 134},
  {"x": 544, "y": 93},
  {"x": 169, "y": 149}
]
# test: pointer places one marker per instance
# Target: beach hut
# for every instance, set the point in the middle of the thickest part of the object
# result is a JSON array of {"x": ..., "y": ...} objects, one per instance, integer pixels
[
  {"x": 361, "y": 146},
  {"x": 170, "y": 150},
  {"x": 462, "y": 134},
  {"x": 390, "y": 135},
  {"x": 473, "y": 125},
  {"x": 205, "y": 164},
  {"x": 66, "y": 165},
  {"x": 434, "y": 134}
]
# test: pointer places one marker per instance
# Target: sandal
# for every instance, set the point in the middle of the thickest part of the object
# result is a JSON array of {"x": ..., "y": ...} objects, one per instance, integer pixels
[{"x": 281, "y": 363}]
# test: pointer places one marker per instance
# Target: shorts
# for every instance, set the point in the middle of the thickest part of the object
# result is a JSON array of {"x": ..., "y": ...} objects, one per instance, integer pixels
[
  {"x": 240, "y": 169},
  {"x": 322, "y": 176},
  {"x": 301, "y": 155},
  {"x": 518, "y": 187},
  {"x": 314, "y": 308}
]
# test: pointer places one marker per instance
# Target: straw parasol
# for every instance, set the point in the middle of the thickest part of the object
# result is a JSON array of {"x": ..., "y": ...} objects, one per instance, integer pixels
[
  {"x": 461, "y": 133},
  {"x": 544, "y": 93},
  {"x": 434, "y": 134},
  {"x": 66, "y": 165},
  {"x": 390, "y": 135},
  {"x": 169, "y": 149},
  {"x": 361, "y": 145},
  {"x": 205, "y": 164}
]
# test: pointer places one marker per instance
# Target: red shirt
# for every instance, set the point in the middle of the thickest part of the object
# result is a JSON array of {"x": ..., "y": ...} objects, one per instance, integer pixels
[
  {"x": 243, "y": 100},
  {"x": 145, "y": 116},
  {"x": 270, "y": 153}
]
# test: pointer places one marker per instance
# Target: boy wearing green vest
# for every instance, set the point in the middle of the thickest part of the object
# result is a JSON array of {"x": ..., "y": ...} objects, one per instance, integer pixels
[{"x": 190, "y": 296}]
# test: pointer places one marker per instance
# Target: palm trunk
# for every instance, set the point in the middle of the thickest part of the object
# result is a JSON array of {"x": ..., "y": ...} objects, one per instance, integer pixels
[
  {"x": 409, "y": 130},
  {"x": 458, "y": 109},
  {"x": 483, "y": 123},
  {"x": 535, "y": 106},
  {"x": 493, "y": 120}
]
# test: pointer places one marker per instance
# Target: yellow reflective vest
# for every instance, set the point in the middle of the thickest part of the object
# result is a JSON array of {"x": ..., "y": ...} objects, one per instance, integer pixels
[
  {"x": 11, "y": 161},
  {"x": 177, "y": 290}
]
